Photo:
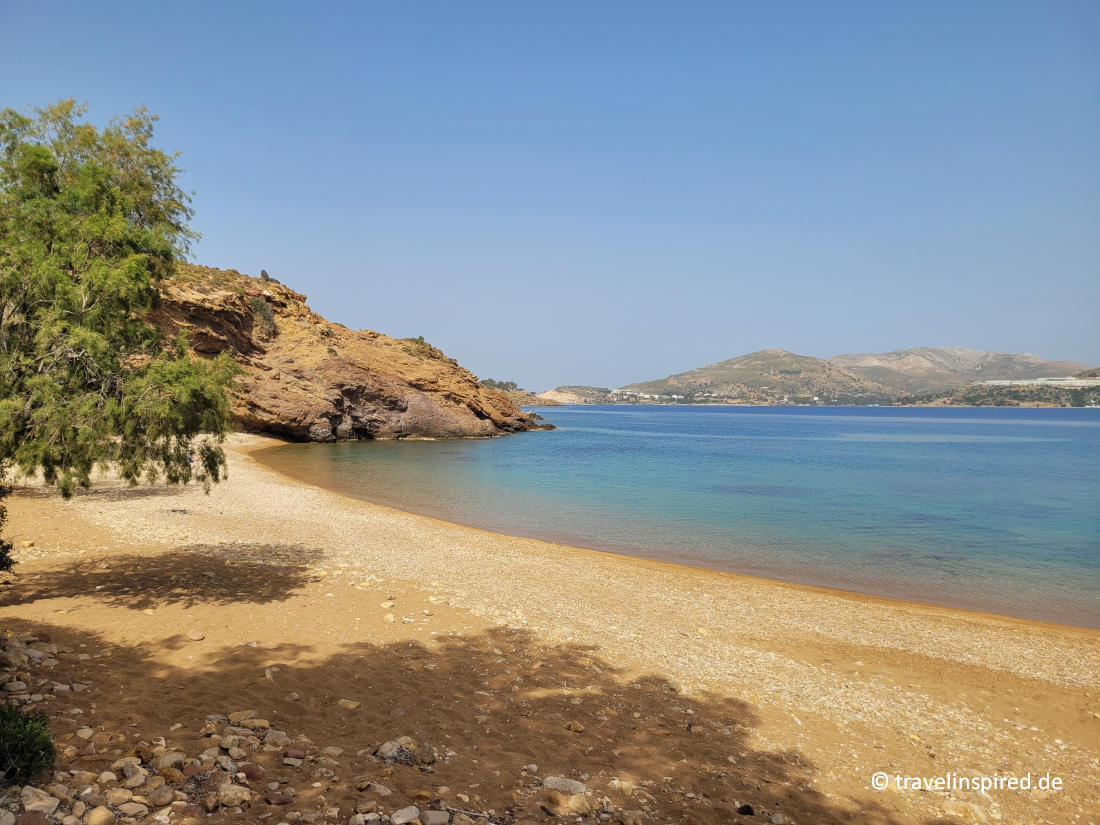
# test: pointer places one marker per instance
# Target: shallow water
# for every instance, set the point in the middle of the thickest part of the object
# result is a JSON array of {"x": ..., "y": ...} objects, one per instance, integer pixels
[{"x": 991, "y": 509}]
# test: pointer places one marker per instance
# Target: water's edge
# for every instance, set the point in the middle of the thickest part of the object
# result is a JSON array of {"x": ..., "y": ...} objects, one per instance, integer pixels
[{"x": 903, "y": 592}]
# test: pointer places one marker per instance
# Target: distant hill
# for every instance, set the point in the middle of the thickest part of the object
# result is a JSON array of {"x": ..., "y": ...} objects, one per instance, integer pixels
[
  {"x": 934, "y": 369},
  {"x": 775, "y": 376},
  {"x": 576, "y": 395},
  {"x": 770, "y": 376},
  {"x": 1034, "y": 395}
]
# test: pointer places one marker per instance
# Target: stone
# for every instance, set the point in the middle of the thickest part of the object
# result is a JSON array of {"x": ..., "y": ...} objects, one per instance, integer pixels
[
  {"x": 133, "y": 809},
  {"x": 276, "y": 798},
  {"x": 233, "y": 795},
  {"x": 15, "y": 686},
  {"x": 746, "y": 810},
  {"x": 563, "y": 784},
  {"x": 434, "y": 818},
  {"x": 557, "y": 803},
  {"x": 632, "y": 818},
  {"x": 347, "y": 704},
  {"x": 196, "y": 635},
  {"x": 118, "y": 796},
  {"x": 252, "y": 771},
  {"x": 99, "y": 816},
  {"x": 161, "y": 796},
  {"x": 332, "y": 751},
  {"x": 129, "y": 765},
  {"x": 171, "y": 759},
  {"x": 390, "y": 618},
  {"x": 405, "y": 815},
  {"x": 38, "y": 801},
  {"x": 277, "y": 738},
  {"x": 239, "y": 716},
  {"x": 379, "y": 788},
  {"x": 84, "y": 778},
  {"x": 575, "y": 726},
  {"x": 404, "y": 750}
]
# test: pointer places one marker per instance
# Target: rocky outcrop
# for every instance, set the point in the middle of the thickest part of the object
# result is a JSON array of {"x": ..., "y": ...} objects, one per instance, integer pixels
[{"x": 308, "y": 379}]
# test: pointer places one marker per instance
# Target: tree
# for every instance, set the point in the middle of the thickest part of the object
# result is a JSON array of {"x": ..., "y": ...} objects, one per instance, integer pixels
[{"x": 91, "y": 222}]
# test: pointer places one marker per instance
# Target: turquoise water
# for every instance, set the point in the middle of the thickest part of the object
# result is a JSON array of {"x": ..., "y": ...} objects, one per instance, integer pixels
[{"x": 991, "y": 509}]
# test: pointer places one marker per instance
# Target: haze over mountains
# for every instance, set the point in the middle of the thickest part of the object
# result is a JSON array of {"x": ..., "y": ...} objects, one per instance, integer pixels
[{"x": 775, "y": 375}]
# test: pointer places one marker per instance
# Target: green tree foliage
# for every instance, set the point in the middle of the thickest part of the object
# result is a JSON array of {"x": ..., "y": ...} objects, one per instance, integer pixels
[
  {"x": 91, "y": 221},
  {"x": 505, "y": 386}
]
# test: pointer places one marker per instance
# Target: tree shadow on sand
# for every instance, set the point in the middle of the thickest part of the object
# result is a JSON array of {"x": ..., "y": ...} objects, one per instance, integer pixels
[
  {"x": 213, "y": 574},
  {"x": 490, "y": 703},
  {"x": 107, "y": 490}
]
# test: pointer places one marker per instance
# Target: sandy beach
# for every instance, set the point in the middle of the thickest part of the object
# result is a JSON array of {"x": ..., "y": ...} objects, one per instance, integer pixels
[{"x": 673, "y": 694}]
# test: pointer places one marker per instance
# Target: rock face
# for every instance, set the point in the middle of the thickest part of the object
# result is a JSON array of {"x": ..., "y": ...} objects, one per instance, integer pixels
[{"x": 308, "y": 379}]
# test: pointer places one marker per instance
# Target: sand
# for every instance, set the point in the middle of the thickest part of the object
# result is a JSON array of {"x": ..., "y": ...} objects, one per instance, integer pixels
[{"x": 718, "y": 690}]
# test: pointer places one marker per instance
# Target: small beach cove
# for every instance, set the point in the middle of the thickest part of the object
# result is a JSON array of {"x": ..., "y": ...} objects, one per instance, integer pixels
[
  {"x": 738, "y": 689},
  {"x": 984, "y": 509}
]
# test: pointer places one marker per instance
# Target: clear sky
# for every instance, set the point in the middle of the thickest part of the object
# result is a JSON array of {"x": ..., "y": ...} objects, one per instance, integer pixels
[{"x": 604, "y": 192}]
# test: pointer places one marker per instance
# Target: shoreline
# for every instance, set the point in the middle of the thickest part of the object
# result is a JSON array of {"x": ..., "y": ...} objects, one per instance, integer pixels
[
  {"x": 626, "y": 553},
  {"x": 291, "y": 577}
]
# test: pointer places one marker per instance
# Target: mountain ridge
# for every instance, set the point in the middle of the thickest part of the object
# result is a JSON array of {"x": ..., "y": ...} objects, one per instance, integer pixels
[{"x": 779, "y": 376}]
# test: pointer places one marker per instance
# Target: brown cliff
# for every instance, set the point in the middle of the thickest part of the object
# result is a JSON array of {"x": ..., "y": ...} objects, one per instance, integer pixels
[{"x": 308, "y": 379}]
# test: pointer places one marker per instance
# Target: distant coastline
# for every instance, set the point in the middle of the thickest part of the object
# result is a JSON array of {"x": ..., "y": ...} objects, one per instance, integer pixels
[{"x": 922, "y": 377}]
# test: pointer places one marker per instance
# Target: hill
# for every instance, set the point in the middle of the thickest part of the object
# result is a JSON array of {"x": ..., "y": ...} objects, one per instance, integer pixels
[
  {"x": 776, "y": 376},
  {"x": 769, "y": 376},
  {"x": 308, "y": 379},
  {"x": 1034, "y": 395},
  {"x": 935, "y": 369},
  {"x": 576, "y": 394}
]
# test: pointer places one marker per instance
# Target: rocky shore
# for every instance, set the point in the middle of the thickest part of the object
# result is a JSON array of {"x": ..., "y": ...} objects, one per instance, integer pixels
[
  {"x": 277, "y": 653},
  {"x": 236, "y": 766},
  {"x": 308, "y": 379}
]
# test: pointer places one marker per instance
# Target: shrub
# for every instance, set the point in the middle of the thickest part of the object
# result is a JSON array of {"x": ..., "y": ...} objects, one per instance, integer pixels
[
  {"x": 262, "y": 315},
  {"x": 26, "y": 749}
]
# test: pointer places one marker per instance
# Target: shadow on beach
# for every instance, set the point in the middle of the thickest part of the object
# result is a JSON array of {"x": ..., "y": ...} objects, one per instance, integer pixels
[
  {"x": 199, "y": 573},
  {"x": 490, "y": 703}
]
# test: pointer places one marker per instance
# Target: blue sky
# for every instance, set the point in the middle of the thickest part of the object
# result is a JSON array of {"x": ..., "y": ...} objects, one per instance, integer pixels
[{"x": 608, "y": 192}]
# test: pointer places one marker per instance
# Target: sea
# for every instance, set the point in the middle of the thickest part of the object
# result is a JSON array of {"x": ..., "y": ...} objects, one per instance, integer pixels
[{"x": 992, "y": 509}]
